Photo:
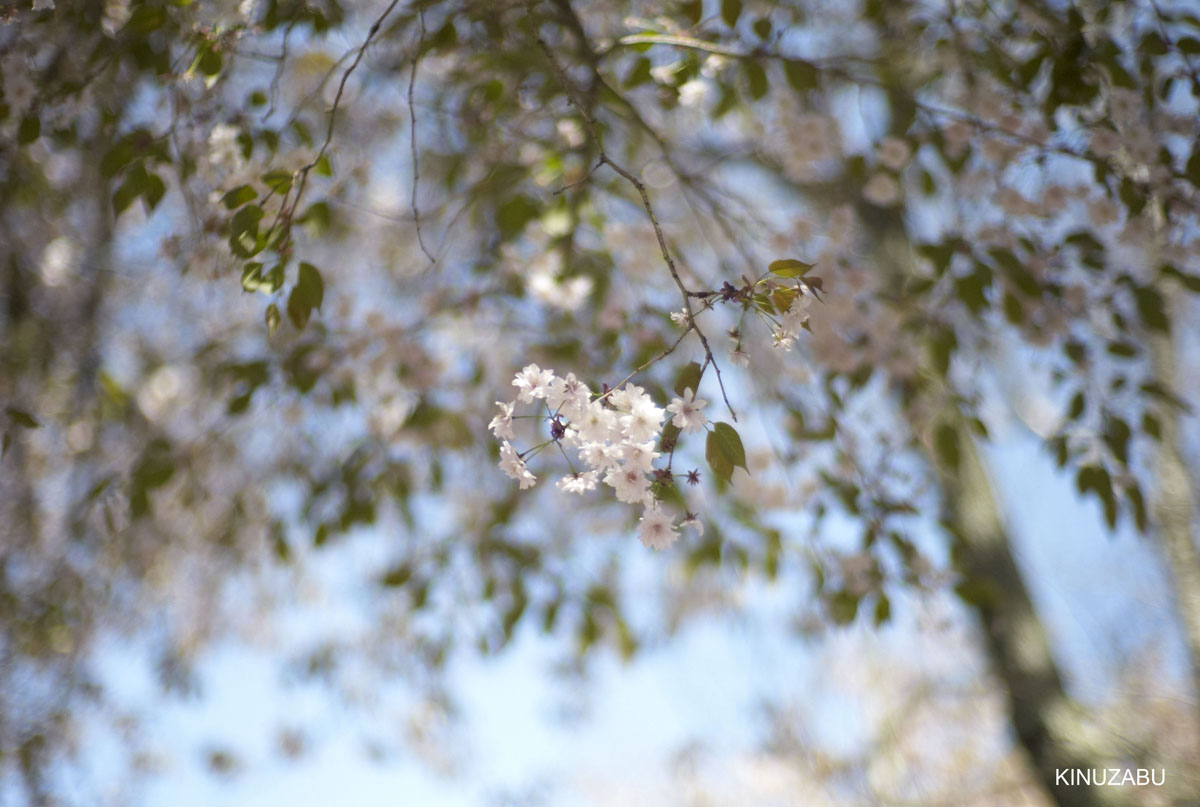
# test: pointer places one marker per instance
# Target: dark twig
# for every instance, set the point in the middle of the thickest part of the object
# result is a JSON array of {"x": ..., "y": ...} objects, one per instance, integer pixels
[
  {"x": 337, "y": 100},
  {"x": 279, "y": 68},
  {"x": 581, "y": 181},
  {"x": 412, "y": 112},
  {"x": 604, "y": 159}
]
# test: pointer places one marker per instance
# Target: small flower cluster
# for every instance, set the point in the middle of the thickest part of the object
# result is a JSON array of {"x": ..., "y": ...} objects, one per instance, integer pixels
[
  {"x": 613, "y": 434},
  {"x": 786, "y": 316},
  {"x": 794, "y": 318}
]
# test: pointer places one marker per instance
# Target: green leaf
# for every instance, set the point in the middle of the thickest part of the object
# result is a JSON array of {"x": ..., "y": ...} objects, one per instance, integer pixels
[
  {"x": 940, "y": 255},
  {"x": 279, "y": 543},
  {"x": 1162, "y": 392},
  {"x": 730, "y": 11},
  {"x": 278, "y": 181},
  {"x": 252, "y": 276},
  {"x": 208, "y": 62},
  {"x": 308, "y": 294},
  {"x": 757, "y": 78},
  {"x": 724, "y": 451},
  {"x": 153, "y": 190},
  {"x": 1152, "y": 308},
  {"x": 1151, "y": 425},
  {"x": 136, "y": 182},
  {"x": 689, "y": 378},
  {"x": 22, "y": 418},
  {"x": 1116, "y": 435},
  {"x": 243, "y": 232},
  {"x": 29, "y": 130},
  {"x": 721, "y": 467},
  {"x": 311, "y": 281},
  {"x": 1078, "y": 404},
  {"x": 445, "y": 38},
  {"x": 972, "y": 289},
  {"x": 146, "y": 17},
  {"x": 154, "y": 469},
  {"x": 1024, "y": 280},
  {"x": 1014, "y": 312},
  {"x": 117, "y": 157},
  {"x": 1133, "y": 195},
  {"x": 1189, "y": 281},
  {"x": 942, "y": 345},
  {"x": 513, "y": 215},
  {"x": 1126, "y": 350},
  {"x": 272, "y": 280},
  {"x": 639, "y": 74},
  {"x": 883, "y": 609},
  {"x": 774, "y": 550},
  {"x": 789, "y": 267},
  {"x": 802, "y": 75},
  {"x": 272, "y": 317},
  {"x": 843, "y": 607},
  {"x": 1096, "y": 479},
  {"x": 1152, "y": 42},
  {"x": 317, "y": 217},
  {"x": 397, "y": 575},
  {"x": 928, "y": 183},
  {"x": 945, "y": 442},
  {"x": 238, "y": 197},
  {"x": 977, "y": 591},
  {"x": 1140, "y": 516},
  {"x": 324, "y": 167}
]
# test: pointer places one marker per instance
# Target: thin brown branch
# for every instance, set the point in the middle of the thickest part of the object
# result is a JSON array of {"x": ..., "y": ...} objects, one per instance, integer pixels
[
  {"x": 646, "y": 365},
  {"x": 337, "y": 101},
  {"x": 590, "y": 124},
  {"x": 412, "y": 112}
]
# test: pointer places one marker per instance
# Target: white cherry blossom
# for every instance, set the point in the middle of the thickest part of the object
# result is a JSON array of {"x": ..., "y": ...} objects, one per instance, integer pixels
[
  {"x": 578, "y": 482},
  {"x": 656, "y": 529},
  {"x": 532, "y": 382},
  {"x": 639, "y": 455},
  {"x": 630, "y": 484},
  {"x": 502, "y": 424},
  {"x": 570, "y": 395},
  {"x": 512, "y": 464},
  {"x": 687, "y": 412},
  {"x": 643, "y": 420}
]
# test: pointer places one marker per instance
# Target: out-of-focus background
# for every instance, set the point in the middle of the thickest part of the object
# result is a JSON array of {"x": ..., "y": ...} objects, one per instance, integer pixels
[{"x": 268, "y": 267}]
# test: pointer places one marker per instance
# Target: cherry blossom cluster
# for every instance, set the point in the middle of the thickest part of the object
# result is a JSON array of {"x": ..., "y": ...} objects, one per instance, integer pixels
[
  {"x": 793, "y": 318},
  {"x": 785, "y": 317},
  {"x": 613, "y": 435}
]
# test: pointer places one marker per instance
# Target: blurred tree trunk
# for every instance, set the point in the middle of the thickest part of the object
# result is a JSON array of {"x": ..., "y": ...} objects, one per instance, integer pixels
[
  {"x": 1175, "y": 507},
  {"x": 48, "y": 619},
  {"x": 1014, "y": 638}
]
